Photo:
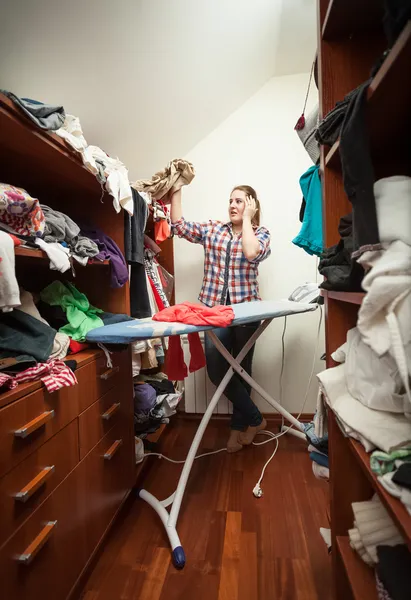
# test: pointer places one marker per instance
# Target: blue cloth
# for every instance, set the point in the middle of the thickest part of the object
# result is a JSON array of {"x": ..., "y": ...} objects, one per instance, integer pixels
[
  {"x": 320, "y": 459},
  {"x": 310, "y": 237},
  {"x": 244, "y": 313}
]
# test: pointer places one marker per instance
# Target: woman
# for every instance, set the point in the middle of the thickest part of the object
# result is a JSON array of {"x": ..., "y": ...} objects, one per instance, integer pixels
[{"x": 232, "y": 253}]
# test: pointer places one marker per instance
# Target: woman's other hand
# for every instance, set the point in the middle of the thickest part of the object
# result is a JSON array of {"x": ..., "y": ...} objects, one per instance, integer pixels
[{"x": 250, "y": 208}]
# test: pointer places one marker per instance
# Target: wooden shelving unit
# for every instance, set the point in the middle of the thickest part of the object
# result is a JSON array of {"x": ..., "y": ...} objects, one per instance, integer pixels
[
  {"x": 382, "y": 102},
  {"x": 350, "y": 297},
  {"x": 40, "y": 255},
  {"x": 346, "y": 17},
  {"x": 350, "y": 42},
  {"x": 360, "y": 576}
]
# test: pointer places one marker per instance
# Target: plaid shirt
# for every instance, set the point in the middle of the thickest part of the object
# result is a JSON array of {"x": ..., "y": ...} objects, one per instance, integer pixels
[{"x": 226, "y": 269}]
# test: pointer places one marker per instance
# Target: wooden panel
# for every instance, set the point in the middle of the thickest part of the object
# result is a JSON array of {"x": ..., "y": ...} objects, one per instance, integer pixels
[
  {"x": 21, "y": 251},
  {"x": 61, "y": 451},
  {"x": 361, "y": 577},
  {"x": 106, "y": 482},
  {"x": 350, "y": 297},
  {"x": 102, "y": 378},
  {"x": 64, "y": 403},
  {"x": 390, "y": 151},
  {"x": 346, "y": 17},
  {"x": 346, "y": 64},
  {"x": 53, "y": 571},
  {"x": 113, "y": 408},
  {"x": 347, "y": 485},
  {"x": 339, "y": 318}
]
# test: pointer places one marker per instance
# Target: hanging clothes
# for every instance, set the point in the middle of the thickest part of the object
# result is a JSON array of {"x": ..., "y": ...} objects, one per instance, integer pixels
[
  {"x": 310, "y": 237},
  {"x": 134, "y": 227}
]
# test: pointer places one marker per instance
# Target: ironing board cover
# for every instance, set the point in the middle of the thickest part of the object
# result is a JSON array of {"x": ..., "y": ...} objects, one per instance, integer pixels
[{"x": 144, "y": 329}]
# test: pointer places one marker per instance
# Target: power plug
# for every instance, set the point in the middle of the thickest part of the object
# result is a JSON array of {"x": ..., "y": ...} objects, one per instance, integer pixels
[{"x": 257, "y": 491}]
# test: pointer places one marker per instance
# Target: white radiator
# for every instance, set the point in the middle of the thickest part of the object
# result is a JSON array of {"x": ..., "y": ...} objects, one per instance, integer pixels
[{"x": 198, "y": 389}]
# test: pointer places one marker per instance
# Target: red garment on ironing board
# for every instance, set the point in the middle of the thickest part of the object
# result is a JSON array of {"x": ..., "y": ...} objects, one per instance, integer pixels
[{"x": 197, "y": 314}]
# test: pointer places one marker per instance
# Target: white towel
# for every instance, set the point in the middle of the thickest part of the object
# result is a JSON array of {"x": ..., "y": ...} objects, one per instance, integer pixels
[
  {"x": 9, "y": 289},
  {"x": 395, "y": 490},
  {"x": 58, "y": 255},
  {"x": 373, "y": 428}
]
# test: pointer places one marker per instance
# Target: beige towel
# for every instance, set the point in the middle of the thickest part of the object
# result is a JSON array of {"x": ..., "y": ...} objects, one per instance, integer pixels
[
  {"x": 372, "y": 527},
  {"x": 177, "y": 173}
]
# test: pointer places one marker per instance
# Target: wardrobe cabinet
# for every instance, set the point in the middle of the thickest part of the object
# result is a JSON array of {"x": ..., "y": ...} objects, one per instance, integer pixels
[{"x": 67, "y": 459}]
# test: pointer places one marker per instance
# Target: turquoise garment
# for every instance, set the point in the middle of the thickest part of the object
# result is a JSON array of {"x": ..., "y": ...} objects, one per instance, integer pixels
[
  {"x": 310, "y": 237},
  {"x": 81, "y": 316}
]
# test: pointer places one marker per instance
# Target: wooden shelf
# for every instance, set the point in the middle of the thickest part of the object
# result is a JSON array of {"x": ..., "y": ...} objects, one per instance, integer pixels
[
  {"x": 395, "y": 507},
  {"x": 350, "y": 297},
  {"x": 361, "y": 576},
  {"x": 39, "y": 254},
  {"x": 154, "y": 437},
  {"x": 385, "y": 132}
]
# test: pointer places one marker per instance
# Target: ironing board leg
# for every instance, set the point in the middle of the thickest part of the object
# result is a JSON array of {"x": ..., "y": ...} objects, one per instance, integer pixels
[
  {"x": 235, "y": 364},
  {"x": 169, "y": 520}
]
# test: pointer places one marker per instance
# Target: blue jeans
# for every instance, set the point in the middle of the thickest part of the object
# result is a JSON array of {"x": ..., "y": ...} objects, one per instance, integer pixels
[{"x": 245, "y": 412}]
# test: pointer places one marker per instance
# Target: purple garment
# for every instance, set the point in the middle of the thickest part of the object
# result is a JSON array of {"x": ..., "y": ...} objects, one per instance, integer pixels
[
  {"x": 108, "y": 251},
  {"x": 144, "y": 398}
]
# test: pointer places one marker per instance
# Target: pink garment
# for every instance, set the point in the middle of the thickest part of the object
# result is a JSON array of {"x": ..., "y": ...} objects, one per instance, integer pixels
[
  {"x": 54, "y": 374},
  {"x": 196, "y": 314}
]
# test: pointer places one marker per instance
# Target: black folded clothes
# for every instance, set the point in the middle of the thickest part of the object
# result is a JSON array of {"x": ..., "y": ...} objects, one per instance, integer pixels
[
  {"x": 342, "y": 272},
  {"x": 393, "y": 570}
]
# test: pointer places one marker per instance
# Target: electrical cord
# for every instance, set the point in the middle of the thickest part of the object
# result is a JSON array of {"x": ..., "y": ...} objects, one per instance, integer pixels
[{"x": 257, "y": 490}]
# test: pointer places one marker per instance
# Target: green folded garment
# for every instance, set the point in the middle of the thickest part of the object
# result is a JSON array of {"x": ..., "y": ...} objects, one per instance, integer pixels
[
  {"x": 81, "y": 315},
  {"x": 382, "y": 463}
]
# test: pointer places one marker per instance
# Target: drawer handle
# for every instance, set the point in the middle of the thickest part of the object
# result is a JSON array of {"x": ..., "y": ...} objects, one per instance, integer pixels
[
  {"x": 37, "y": 544},
  {"x": 111, "y": 411},
  {"x": 113, "y": 449},
  {"x": 25, "y": 493},
  {"x": 35, "y": 424},
  {"x": 110, "y": 373}
]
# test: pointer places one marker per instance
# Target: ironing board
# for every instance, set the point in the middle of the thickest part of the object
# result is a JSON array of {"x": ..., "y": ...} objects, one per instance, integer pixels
[{"x": 245, "y": 313}]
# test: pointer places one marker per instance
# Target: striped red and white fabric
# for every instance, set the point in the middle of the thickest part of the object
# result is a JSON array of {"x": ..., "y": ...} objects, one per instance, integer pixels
[{"x": 54, "y": 374}]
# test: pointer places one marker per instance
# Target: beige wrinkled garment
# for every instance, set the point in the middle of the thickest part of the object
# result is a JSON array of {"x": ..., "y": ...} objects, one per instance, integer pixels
[{"x": 177, "y": 173}]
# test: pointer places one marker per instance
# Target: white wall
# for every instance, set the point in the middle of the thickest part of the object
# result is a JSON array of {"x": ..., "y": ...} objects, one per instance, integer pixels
[{"x": 257, "y": 145}]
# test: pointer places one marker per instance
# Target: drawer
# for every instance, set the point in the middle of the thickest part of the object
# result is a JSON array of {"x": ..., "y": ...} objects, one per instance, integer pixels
[
  {"x": 102, "y": 378},
  {"x": 46, "y": 555},
  {"x": 107, "y": 474},
  {"x": 114, "y": 408},
  {"x": 24, "y": 488},
  {"x": 30, "y": 421}
]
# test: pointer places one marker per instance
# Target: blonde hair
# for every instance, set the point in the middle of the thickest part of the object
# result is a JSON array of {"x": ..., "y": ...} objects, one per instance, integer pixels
[{"x": 249, "y": 191}]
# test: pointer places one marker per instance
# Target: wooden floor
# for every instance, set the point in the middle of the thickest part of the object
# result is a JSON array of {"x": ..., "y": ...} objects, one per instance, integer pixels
[{"x": 238, "y": 547}]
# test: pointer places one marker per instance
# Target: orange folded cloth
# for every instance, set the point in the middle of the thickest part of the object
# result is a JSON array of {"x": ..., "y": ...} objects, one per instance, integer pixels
[{"x": 196, "y": 314}]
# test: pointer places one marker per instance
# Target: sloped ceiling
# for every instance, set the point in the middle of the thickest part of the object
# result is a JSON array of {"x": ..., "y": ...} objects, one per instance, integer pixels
[{"x": 150, "y": 78}]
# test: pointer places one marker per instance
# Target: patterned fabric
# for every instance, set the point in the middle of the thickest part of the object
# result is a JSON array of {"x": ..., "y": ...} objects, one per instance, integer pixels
[
  {"x": 226, "y": 269},
  {"x": 54, "y": 374},
  {"x": 381, "y": 591},
  {"x": 150, "y": 265},
  {"x": 20, "y": 211}
]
